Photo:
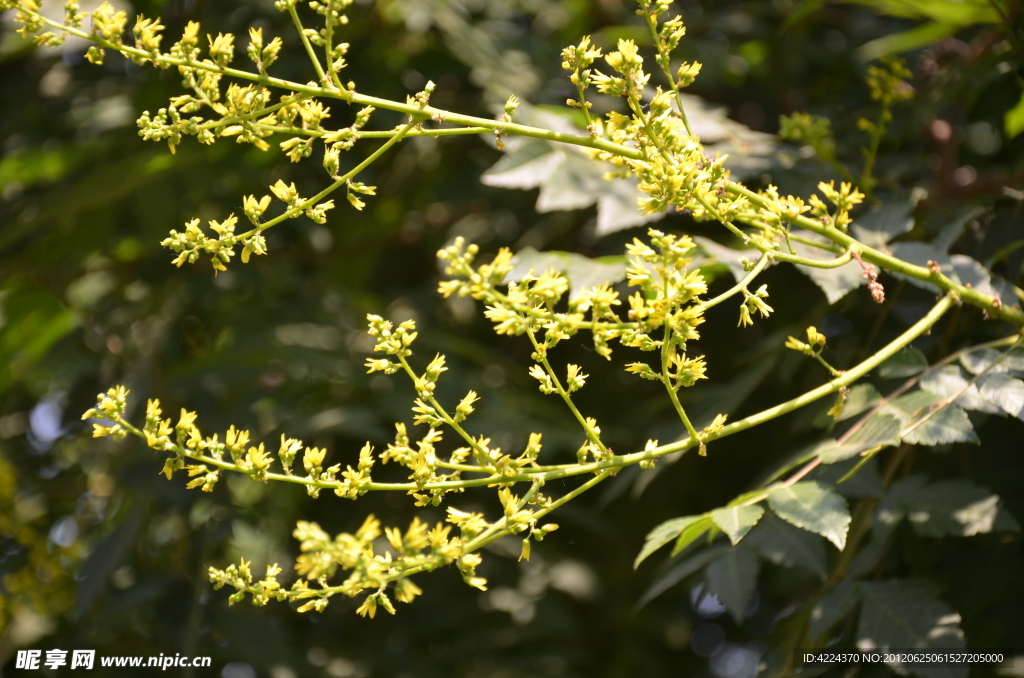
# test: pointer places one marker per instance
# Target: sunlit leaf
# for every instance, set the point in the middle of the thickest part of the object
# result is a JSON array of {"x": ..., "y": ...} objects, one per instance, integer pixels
[
  {"x": 814, "y": 507},
  {"x": 736, "y": 521}
]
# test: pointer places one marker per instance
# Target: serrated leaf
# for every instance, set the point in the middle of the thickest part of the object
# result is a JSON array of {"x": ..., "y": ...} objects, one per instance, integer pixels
[
  {"x": 949, "y": 381},
  {"x": 813, "y": 507},
  {"x": 664, "y": 533},
  {"x": 951, "y": 507},
  {"x": 679, "y": 572},
  {"x": 928, "y": 421},
  {"x": 906, "y": 363},
  {"x": 736, "y": 521},
  {"x": 1014, "y": 359},
  {"x": 780, "y": 543},
  {"x": 908, "y": 614},
  {"x": 733, "y": 578},
  {"x": 947, "y": 425},
  {"x": 832, "y": 606},
  {"x": 881, "y": 430},
  {"x": 1004, "y": 391}
]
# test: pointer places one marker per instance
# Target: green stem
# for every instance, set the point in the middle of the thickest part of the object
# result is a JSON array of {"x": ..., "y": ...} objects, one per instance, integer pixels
[
  {"x": 542, "y": 352},
  {"x": 615, "y": 462},
  {"x": 833, "y": 371},
  {"x": 992, "y": 305},
  {"x": 448, "y": 419},
  {"x": 305, "y": 43},
  {"x": 665, "y": 62},
  {"x": 741, "y": 286},
  {"x": 670, "y": 387},
  {"x": 341, "y": 181}
]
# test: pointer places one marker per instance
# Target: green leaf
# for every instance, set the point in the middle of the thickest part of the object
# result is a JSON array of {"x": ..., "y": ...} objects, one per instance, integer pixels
[
  {"x": 949, "y": 381},
  {"x": 692, "y": 532},
  {"x": 959, "y": 12},
  {"x": 679, "y": 572},
  {"x": 832, "y": 606},
  {"x": 736, "y": 521},
  {"x": 951, "y": 507},
  {"x": 982, "y": 359},
  {"x": 861, "y": 398},
  {"x": 912, "y": 406},
  {"x": 813, "y": 507},
  {"x": 905, "y": 41},
  {"x": 666, "y": 532},
  {"x": 907, "y": 363},
  {"x": 949, "y": 425},
  {"x": 806, "y": 8},
  {"x": 1013, "y": 121},
  {"x": 881, "y": 430},
  {"x": 780, "y": 543},
  {"x": 1004, "y": 391},
  {"x": 909, "y": 614},
  {"x": 733, "y": 578},
  {"x": 939, "y": 423}
]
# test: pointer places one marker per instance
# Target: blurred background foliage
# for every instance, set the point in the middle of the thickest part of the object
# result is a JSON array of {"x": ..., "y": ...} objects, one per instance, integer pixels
[{"x": 99, "y": 551}]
